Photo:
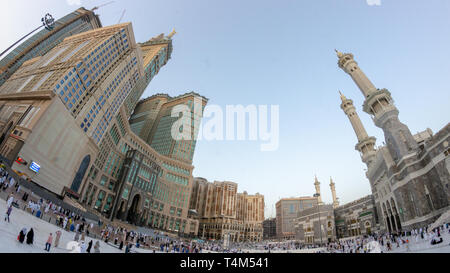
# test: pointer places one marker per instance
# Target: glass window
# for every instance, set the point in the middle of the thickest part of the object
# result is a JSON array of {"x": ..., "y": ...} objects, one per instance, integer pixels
[
  {"x": 125, "y": 194},
  {"x": 103, "y": 180}
]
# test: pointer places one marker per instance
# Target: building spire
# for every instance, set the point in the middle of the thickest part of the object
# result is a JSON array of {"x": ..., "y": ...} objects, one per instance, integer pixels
[
  {"x": 350, "y": 66},
  {"x": 172, "y": 34},
  {"x": 343, "y": 98},
  {"x": 317, "y": 186},
  {"x": 366, "y": 144},
  {"x": 380, "y": 105},
  {"x": 338, "y": 53},
  {"x": 333, "y": 193}
]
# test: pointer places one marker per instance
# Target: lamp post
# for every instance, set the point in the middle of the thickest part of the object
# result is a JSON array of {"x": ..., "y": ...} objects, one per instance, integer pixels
[
  {"x": 317, "y": 195},
  {"x": 47, "y": 21}
]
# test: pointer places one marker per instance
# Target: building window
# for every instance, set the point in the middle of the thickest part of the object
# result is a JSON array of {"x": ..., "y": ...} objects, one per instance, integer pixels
[
  {"x": 99, "y": 202},
  {"x": 103, "y": 180},
  {"x": 125, "y": 194}
]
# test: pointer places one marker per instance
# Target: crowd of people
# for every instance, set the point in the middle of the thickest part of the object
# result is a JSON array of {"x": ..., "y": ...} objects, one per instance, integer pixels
[
  {"x": 390, "y": 242},
  {"x": 126, "y": 240},
  {"x": 63, "y": 218}
]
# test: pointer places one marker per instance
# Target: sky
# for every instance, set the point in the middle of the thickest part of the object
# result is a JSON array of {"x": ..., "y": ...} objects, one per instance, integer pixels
[{"x": 262, "y": 52}]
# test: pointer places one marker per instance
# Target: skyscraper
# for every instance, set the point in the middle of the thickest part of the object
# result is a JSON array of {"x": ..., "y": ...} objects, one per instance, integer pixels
[
  {"x": 42, "y": 42},
  {"x": 156, "y": 53},
  {"x": 56, "y": 109},
  {"x": 153, "y": 121},
  {"x": 68, "y": 111}
]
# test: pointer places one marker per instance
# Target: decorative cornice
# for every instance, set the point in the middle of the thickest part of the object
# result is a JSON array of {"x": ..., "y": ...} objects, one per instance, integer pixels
[{"x": 36, "y": 95}]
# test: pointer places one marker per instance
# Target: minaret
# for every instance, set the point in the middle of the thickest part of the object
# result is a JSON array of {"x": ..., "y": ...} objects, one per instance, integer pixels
[
  {"x": 333, "y": 192},
  {"x": 317, "y": 185},
  {"x": 380, "y": 105},
  {"x": 366, "y": 144}
]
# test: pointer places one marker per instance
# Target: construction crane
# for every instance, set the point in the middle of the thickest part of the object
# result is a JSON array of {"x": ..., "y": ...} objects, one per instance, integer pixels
[
  {"x": 121, "y": 17},
  {"x": 95, "y": 8}
]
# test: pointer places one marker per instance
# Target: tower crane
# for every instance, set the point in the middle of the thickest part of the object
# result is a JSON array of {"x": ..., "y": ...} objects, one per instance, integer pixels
[
  {"x": 95, "y": 8},
  {"x": 121, "y": 17}
]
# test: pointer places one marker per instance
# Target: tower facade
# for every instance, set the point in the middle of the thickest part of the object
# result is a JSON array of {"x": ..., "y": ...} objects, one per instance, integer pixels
[
  {"x": 333, "y": 193},
  {"x": 172, "y": 144},
  {"x": 317, "y": 186},
  {"x": 156, "y": 52},
  {"x": 42, "y": 42},
  {"x": 409, "y": 184},
  {"x": 58, "y": 108},
  {"x": 380, "y": 105},
  {"x": 366, "y": 144}
]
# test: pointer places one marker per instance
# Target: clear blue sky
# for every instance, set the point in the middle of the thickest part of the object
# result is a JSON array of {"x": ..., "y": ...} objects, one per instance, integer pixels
[{"x": 282, "y": 52}]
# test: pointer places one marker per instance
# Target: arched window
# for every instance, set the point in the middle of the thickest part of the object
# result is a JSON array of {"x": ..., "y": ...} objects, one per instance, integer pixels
[{"x": 80, "y": 174}]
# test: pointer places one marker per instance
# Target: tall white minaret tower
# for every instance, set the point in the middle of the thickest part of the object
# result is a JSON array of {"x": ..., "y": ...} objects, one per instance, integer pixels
[
  {"x": 317, "y": 185},
  {"x": 366, "y": 144},
  {"x": 333, "y": 192},
  {"x": 380, "y": 105}
]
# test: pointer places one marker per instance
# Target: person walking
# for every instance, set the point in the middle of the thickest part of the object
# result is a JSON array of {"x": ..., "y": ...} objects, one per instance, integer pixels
[
  {"x": 22, "y": 235},
  {"x": 88, "y": 250},
  {"x": 30, "y": 237},
  {"x": 65, "y": 223},
  {"x": 83, "y": 247},
  {"x": 48, "y": 244},
  {"x": 8, "y": 213},
  {"x": 77, "y": 236},
  {"x": 10, "y": 200},
  {"x": 58, "y": 237},
  {"x": 97, "y": 247}
]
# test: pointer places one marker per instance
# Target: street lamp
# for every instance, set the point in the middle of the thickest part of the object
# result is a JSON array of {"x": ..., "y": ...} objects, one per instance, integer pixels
[
  {"x": 47, "y": 21},
  {"x": 317, "y": 195}
]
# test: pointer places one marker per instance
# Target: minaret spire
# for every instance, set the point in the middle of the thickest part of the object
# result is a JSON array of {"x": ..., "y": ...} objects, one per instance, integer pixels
[
  {"x": 317, "y": 186},
  {"x": 366, "y": 144},
  {"x": 333, "y": 193},
  {"x": 172, "y": 34},
  {"x": 380, "y": 105},
  {"x": 350, "y": 66}
]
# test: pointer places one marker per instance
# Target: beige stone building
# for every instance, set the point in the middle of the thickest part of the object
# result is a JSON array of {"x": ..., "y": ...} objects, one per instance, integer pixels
[
  {"x": 53, "y": 107},
  {"x": 315, "y": 225},
  {"x": 287, "y": 210},
  {"x": 223, "y": 211},
  {"x": 68, "y": 113}
]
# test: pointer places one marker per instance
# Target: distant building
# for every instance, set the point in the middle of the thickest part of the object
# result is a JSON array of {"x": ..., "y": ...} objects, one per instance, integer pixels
[
  {"x": 270, "y": 229},
  {"x": 356, "y": 218},
  {"x": 223, "y": 211},
  {"x": 315, "y": 225},
  {"x": 287, "y": 210}
]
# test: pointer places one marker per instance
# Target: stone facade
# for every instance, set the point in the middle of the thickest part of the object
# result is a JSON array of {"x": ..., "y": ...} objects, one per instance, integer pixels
[
  {"x": 287, "y": 210},
  {"x": 270, "y": 229},
  {"x": 222, "y": 211},
  {"x": 315, "y": 225},
  {"x": 356, "y": 218},
  {"x": 408, "y": 176}
]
